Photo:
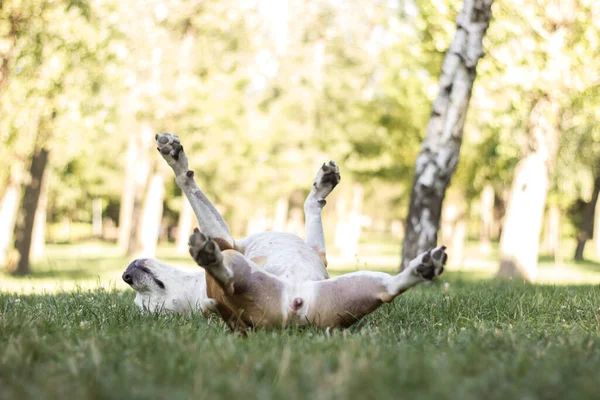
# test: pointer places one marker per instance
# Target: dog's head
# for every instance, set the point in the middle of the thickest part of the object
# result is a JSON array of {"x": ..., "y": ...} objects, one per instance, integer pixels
[{"x": 162, "y": 287}]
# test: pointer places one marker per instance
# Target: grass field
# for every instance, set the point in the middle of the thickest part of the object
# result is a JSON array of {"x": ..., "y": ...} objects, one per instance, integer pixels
[
  {"x": 456, "y": 339},
  {"x": 466, "y": 341}
]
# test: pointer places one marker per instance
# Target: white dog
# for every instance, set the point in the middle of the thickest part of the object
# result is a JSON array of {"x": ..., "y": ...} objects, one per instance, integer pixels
[{"x": 269, "y": 279}]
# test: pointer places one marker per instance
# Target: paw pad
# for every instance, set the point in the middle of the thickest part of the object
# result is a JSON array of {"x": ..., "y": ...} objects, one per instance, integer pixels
[
  {"x": 327, "y": 178},
  {"x": 431, "y": 263},
  {"x": 169, "y": 145},
  {"x": 203, "y": 249}
]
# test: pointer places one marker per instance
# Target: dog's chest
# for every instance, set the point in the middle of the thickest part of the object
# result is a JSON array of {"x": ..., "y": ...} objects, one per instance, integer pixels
[{"x": 286, "y": 256}]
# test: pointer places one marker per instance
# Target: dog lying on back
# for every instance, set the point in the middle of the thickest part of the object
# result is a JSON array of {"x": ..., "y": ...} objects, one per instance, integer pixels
[{"x": 269, "y": 279}]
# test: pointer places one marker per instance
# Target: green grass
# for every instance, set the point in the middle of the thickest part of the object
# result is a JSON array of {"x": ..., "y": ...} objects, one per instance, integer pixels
[
  {"x": 464, "y": 340},
  {"x": 71, "y": 331}
]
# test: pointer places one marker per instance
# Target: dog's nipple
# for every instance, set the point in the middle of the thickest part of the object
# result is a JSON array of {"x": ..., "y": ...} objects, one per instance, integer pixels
[{"x": 297, "y": 303}]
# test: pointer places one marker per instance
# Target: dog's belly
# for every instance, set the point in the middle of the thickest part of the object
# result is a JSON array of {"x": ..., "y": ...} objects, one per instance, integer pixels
[{"x": 284, "y": 255}]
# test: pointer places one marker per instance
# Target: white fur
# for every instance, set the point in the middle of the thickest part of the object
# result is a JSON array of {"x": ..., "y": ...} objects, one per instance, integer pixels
[
  {"x": 184, "y": 291},
  {"x": 287, "y": 256}
]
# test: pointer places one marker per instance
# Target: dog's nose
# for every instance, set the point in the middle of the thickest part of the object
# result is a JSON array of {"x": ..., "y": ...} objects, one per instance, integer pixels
[{"x": 127, "y": 278}]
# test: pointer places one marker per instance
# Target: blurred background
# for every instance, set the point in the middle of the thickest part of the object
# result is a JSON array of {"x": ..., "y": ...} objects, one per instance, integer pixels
[{"x": 262, "y": 92}]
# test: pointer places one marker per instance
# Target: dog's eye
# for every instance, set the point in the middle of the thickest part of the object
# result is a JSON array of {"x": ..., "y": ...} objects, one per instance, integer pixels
[
  {"x": 146, "y": 270},
  {"x": 159, "y": 283}
]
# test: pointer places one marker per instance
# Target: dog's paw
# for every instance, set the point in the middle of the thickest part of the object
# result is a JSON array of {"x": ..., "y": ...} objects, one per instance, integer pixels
[
  {"x": 431, "y": 263},
  {"x": 203, "y": 249},
  {"x": 327, "y": 178},
  {"x": 169, "y": 145}
]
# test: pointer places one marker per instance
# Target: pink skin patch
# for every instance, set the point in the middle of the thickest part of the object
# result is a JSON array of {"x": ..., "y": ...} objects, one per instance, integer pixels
[{"x": 297, "y": 303}]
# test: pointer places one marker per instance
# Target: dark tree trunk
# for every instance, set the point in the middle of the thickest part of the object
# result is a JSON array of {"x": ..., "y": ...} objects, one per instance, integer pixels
[
  {"x": 580, "y": 247},
  {"x": 24, "y": 229},
  {"x": 587, "y": 230},
  {"x": 439, "y": 155}
]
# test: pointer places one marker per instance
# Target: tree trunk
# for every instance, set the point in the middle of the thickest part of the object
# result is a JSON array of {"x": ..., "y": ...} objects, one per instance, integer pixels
[
  {"x": 281, "y": 214},
  {"x": 551, "y": 241},
  {"x": 8, "y": 216},
  {"x": 24, "y": 229},
  {"x": 597, "y": 230},
  {"x": 38, "y": 245},
  {"x": 134, "y": 188},
  {"x": 151, "y": 217},
  {"x": 519, "y": 243},
  {"x": 128, "y": 196},
  {"x": 348, "y": 227},
  {"x": 184, "y": 226},
  {"x": 97, "y": 217},
  {"x": 454, "y": 228},
  {"x": 587, "y": 229},
  {"x": 355, "y": 222},
  {"x": 487, "y": 219},
  {"x": 439, "y": 155}
]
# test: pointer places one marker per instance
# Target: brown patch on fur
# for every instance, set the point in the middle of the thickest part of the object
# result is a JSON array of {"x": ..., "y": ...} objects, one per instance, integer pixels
[
  {"x": 322, "y": 256},
  {"x": 386, "y": 297},
  {"x": 233, "y": 322},
  {"x": 223, "y": 244},
  {"x": 256, "y": 296},
  {"x": 216, "y": 292},
  {"x": 260, "y": 261}
]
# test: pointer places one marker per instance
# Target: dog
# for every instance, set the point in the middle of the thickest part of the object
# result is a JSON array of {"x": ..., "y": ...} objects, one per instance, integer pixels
[{"x": 268, "y": 279}]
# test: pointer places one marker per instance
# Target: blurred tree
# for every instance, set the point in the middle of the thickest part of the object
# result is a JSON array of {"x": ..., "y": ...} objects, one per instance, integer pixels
[
  {"x": 580, "y": 163},
  {"x": 8, "y": 213},
  {"x": 43, "y": 89},
  {"x": 439, "y": 155},
  {"x": 583, "y": 220},
  {"x": 544, "y": 73}
]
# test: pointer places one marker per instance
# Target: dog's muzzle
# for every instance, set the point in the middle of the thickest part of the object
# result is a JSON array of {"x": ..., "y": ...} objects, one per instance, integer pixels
[{"x": 132, "y": 272}]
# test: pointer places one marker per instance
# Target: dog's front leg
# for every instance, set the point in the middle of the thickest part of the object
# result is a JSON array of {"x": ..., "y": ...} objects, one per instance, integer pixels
[
  {"x": 341, "y": 301},
  {"x": 327, "y": 178},
  {"x": 210, "y": 220}
]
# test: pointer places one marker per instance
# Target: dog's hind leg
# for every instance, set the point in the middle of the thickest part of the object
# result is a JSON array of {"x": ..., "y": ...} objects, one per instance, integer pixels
[
  {"x": 341, "y": 301},
  {"x": 244, "y": 293},
  {"x": 210, "y": 220},
  {"x": 327, "y": 178}
]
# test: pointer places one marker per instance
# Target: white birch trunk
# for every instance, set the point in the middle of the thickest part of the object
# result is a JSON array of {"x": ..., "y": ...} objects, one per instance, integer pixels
[
  {"x": 551, "y": 241},
  {"x": 341, "y": 225},
  {"x": 454, "y": 228},
  {"x": 487, "y": 219},
  {"x": 597, "y": 230},
  {"x": 348, "y": 228},
  {"x": 137, "y": 178},
  {"x": 128, "y": 196},
  {"x": 281, "y": 214},
  {"x": 8, "y": 217},
  {"x": 184, "y": 226},
  {"x": 149, "y": 227},
  {"x": 97, "y": 217},
  {"x": 437, "y": 161},
  {"x": 521, "y": 233},
  {"x": 519, "y": 244}
]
